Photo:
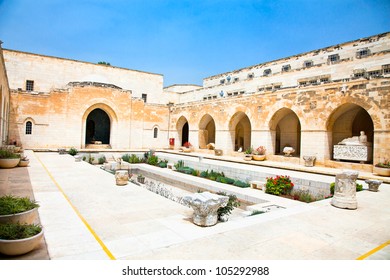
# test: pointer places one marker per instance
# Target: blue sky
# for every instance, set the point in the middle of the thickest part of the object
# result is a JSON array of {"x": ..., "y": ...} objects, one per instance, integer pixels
[{"x": 186, "y": 41}]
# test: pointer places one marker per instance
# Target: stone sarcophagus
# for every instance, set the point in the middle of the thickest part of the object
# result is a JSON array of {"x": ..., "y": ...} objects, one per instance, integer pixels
[
  {"x": 352, "y": 152},
  {"x": 354, "y": 149}
]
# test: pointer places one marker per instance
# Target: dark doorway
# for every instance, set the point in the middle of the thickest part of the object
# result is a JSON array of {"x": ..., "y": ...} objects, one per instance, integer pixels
[
  {"x": 97, "y": 127},
  {"x": 184, "y": 134}
]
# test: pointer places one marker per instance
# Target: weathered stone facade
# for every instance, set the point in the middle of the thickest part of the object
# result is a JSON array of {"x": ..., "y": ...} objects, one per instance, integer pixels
[
  {"x": 309, "y": 102},
  {"x": 4, "y": 100}
]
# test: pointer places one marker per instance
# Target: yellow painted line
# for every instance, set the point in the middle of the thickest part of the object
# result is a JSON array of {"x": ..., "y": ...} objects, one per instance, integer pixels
[
  {"x": 104, "y": 247},
  {"x": 373, "y": 251}
]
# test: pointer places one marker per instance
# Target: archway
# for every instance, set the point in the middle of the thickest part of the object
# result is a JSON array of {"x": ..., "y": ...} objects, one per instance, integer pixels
[
  {"x": 347, "y": 121},
  {"x": 183, "y": 129},
  {"x": 98, "y": 127},
  {"x": 240, "y": 130},
  {"x": 206, "y": 131},
  {"x": 287, "y": 128}
]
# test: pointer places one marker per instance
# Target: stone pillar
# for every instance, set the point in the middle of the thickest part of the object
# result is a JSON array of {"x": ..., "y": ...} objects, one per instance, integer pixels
[
  {"x": 373, "y": 185},
  {"x": 345, "y": 190}
]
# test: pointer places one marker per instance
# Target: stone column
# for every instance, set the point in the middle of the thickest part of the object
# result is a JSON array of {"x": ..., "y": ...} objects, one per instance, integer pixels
[{"x": 345, "y": 190}]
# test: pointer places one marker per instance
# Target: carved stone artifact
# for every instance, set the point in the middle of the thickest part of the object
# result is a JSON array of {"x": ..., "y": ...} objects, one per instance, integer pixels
[
  {"x": 345, "y": 190},
  {"x": 205, "y": 207}
]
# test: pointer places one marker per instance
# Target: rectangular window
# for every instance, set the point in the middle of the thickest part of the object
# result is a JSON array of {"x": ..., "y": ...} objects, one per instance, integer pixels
[
  {"x": 286, "y": 68},
  {"x": 250, "y": 76},
  {"x": 375, "y": 73},
  {"x": 267, "y": 72},
  {"x": 29, "y": 85},
  {"x": 236, "y": 79},
  {"x": 324, "y": 80},
  {"x": 308, "y": 63},
  {"x": 222, "y": 81},
  {"x": 144, "y": 97},
  {"x": 386, "y": 69},
  {"x": 333, "y": 58},
  {"x": 363, "y": 53}
]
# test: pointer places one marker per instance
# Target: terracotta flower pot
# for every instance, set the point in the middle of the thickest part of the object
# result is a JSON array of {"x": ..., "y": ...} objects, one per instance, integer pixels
[{"x": 258, "y": 157}]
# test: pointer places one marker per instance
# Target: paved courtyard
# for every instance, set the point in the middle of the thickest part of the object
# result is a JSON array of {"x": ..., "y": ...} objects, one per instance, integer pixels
[{"x": 86, "y": 216}]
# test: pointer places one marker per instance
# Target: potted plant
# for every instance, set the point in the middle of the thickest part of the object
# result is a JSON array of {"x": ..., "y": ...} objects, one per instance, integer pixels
[
  {"x": 382, "y": 168},
  {"x": 8, "y": 159},
  {"x": 259, "y": 153},
  {"x": 18, "y": 239},
  {"x": 248, "y": 153},
  {"x": 17, "y": 209},
  {"x": 141, "y": 179},
  {"x": 187, "y": 147},
  {"x": 24, "y": 161}
]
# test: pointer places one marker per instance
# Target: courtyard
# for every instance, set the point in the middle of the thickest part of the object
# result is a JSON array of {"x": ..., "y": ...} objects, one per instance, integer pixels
[{"x": 86, "y": 216}]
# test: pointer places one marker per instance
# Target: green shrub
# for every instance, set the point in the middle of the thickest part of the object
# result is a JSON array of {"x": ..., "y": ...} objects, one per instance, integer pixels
[
  {"x": 152, "y": 160},
  {"x": 10, "y": 204},
  {"x": 359, "y": 187},
  {"x": 102, "y": 159},
  {"x": 179, "y": 164},
  {"x": 195, "y": 173},
  {"x": 131, "y": 158},
  {"x": 73, "y": 151},
  {"x": 241, "y": 184},
  {"x": 256, "y": 212},
  {"x": 303, "y": 196},
  {"x": 163, "y": 164},
  {"x": 8, "y": 153},
  {"x": 280, "y": 185},
  {"x": 225, "y": 180},
  {"x": 186, "y": 170},
  {"x": 204, "y": 174},
  {"x": 232, "y": 203},
  {"x": 18, "y": 231}
]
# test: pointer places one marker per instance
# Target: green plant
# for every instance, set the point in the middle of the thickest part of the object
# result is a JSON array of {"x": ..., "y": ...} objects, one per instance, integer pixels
[
  {"x": 232, "y": 203},
  {"x": 18, "y": 231},
  {"x": 303, "y": 196},
  {"x": 359, "y": 187},
  {"x": 152, "y": 160},
  {"x": 185, "y": 170},
  {"x": 179, "y": 164},
  {"x": 384, "y": 164},
  {"x": 8, "y": 154},
  {"x": 241, "y": 184},
  {"x": 10, "y": 204},
  {"x": 249, "y": 151},
  {"x": 204, "y": 174},
  {"x": 280, "y": 185},
  {"x": 256, "y": 212},
  {"x": 91, "y": 159},
  {"x": 84, "y": 158},
  {"x": 102, "y": 159},
  {"x": 225, "y": 180},
  {"x": 73, "y": 151},
  {"x": 140, "y": 176},
  {"x": 163, "y": 164},
  {"x": 195, "y": 172}
]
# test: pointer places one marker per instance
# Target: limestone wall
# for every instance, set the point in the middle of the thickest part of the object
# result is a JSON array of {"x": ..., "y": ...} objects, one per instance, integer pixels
[
  {"x": 4, "y": 101},
  {"x": 49, "y": 73}
]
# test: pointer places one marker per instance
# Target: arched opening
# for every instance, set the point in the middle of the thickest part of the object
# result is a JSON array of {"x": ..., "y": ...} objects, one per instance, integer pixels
[
  {"x": 183, "y": 130},
  {"x": 240, "y": 130},
  {"x": 287, "y": 129},
  {"x": 206, "y": 131},
  {"x": 155, "y": 132},
  {"x": 98, "y": 127},
  {"x": 348, "y": 121},
  {"x": 28, "y": 127}
]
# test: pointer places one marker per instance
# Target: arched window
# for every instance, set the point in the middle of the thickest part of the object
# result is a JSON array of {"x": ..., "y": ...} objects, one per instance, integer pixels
[
  {"x": 28, "y": 127},
  {"x": 155, "y": 132}
]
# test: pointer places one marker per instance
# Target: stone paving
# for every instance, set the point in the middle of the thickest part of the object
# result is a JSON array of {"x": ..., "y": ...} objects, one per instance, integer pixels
[{"x": 86, "y": 216}]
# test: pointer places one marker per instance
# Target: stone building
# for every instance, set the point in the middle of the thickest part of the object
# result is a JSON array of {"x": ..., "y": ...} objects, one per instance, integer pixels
[
  {"x": 310, "y": 102},
  {"x": 4, "y": 100}
]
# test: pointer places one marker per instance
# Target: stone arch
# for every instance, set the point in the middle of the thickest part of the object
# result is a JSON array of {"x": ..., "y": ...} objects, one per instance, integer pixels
[
  {"x": 286, "y": 128},
  {"x": 98, "y": 123},
  {"x": 347, "y": 121},
  {"x": 207, "y": 131},
  {"x": 182, "y": 128},
  {"x": 240, "y": 131}
]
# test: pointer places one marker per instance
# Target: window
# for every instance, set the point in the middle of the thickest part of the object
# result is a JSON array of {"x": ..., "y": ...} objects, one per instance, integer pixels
[
  {"x": 362, "y": 53},
  {"x": 386, "y": 69},
  {"x": 155, "y": 132},
  {"x": 308, "y": 63},
  {"x": 29, "y": 85},
  {"x": 236, "y": 79},
  {"x": 222, "y": 81},
  {"x": 250, "y": 76},
  {"x": 286, "y": 68},
  {"x": 324, "y": 80},
  {"x": 267, "y": 72},
  {"x": 28, "y": 127},
  {"x": 333, "y": 58},
  {"x": 375, "y": 73},
  {"x": 144, "y": 97}
]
